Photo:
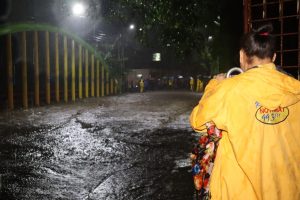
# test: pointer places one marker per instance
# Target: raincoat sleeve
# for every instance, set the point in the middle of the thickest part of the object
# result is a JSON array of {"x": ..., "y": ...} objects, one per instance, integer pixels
[{"x": 211, "y": 107}]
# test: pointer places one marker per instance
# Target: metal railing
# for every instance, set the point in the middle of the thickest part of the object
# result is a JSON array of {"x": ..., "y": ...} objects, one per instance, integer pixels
[{"x": 43, "y": 64}]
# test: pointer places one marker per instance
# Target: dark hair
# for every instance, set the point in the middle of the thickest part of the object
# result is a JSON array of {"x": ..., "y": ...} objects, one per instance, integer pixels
[{"x": 259, "y": 42}]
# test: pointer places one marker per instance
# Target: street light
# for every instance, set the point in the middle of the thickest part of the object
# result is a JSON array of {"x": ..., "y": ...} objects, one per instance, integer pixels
[
  {"x": 78, "y": 10},
  {"x": 131, "y": 27}
]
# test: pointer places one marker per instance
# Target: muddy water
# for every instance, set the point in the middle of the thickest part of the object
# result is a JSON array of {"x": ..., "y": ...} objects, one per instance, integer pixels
[{"x": 129, "y": 147}]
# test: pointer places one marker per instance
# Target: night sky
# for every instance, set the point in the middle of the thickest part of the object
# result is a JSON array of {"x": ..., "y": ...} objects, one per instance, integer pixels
[{"x": 231, "y": 30}]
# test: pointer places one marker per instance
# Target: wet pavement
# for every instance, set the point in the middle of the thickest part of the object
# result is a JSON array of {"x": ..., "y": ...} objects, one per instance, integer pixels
[{"x": 132, "y": 146}]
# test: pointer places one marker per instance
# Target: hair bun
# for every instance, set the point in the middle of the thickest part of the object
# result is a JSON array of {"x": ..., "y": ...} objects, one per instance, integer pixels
[
  {"x": 260, "y": 43},
  {"x": 264, "y": 30}
]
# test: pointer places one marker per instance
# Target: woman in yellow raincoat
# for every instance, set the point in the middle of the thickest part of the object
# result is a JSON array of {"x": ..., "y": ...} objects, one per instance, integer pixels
[{"x": 258, "y": 111}]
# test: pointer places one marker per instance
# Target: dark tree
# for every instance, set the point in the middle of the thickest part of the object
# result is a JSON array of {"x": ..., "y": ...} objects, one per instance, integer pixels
[{"x": 188, "y": 28}]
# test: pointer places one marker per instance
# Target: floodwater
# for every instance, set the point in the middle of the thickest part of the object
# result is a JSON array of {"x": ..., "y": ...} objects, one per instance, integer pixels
[{"x": 132, "y": 146}]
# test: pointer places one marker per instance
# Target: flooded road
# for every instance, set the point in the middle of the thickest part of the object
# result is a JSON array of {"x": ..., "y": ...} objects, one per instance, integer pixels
[{"x": 132, "y": 146}]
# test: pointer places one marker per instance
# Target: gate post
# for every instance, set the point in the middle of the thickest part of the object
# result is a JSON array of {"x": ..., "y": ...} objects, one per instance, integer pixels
[
  {"x": 86, "y": 73},
  {"x": 107, "y": 82},
  {"x": 36, "y": 69},
  {"x": 47, "y": 60},
  {"x": 97, "y": 78},
  {"x": 112, "y": 86},
  {"x": 10, "y": 83},
  {"x": 80, "y": 71},
  {"x": 92, "y": 75},
  {"x": 102, "y": 80},
  {"x": 73, "y": 70},
  {"x": 24, "y": 71},
  {"x": 65, "y": 69},
  {"x": 56, "y": 68}
]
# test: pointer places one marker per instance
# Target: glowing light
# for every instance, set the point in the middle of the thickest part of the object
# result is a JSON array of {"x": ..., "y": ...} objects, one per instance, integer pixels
[
  {"x": 131, "y": 27},
  {"x": 78, "y": 9},
  {"x": 156, "y": 57}
]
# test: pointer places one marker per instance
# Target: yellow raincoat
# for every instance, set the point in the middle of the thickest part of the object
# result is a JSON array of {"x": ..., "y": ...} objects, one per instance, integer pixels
[{"x": 259, "y": 154}]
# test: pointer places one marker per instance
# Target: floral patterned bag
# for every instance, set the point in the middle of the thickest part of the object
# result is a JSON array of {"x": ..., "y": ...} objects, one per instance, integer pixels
[{"x": 203, "y": 156}]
